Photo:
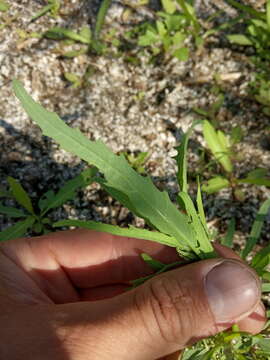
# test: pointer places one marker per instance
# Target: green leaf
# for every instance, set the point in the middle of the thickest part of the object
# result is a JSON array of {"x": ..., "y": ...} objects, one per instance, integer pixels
[
  {"x": 117, "y": 230},
  {"x": 247, "y": 9},
  {"x": 11, "y": 212},
  {"x": 216, "y": 142},
  {"x": 20, "y": 194},
  {"x": 265, "y": 287},
  {"x": 181, "y": 54},
  {"x": 102, "y": 12},
  {"x": 236, "y": 134},
  {"x": 240, "y": 39},
  {"x": 150, "y": 203},
  {"x": 149, "y": 38},
  {"x": 161, "y": 28},
  {"x": 4, "y": 6},
  {"x": 200, "y": 207},
  {"x": 202, "y": 236},
  {"x": 169, "y": 6},
  {"x": 228, "y": 239},
  {"x": 215, "y": 184},
  {"x": 268, "y": 13},
  {"x": 154, "y": 264},
  {"x": 58, "y": 33},
  {"x": 17, "y": 230},
  {"x": 67, "y": 192},
  {"x": 254, "y": 181},
  {"x": 257, "y": 173},
  {"x": 42, "y": 12},
  {"x": 182, "y": 161},
  {"x": 256, "y": 232},
  {"x": 86, "y": 33}
]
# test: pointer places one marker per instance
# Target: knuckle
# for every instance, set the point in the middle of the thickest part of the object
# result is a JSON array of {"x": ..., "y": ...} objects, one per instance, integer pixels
[{"x": 169, "y": 309}]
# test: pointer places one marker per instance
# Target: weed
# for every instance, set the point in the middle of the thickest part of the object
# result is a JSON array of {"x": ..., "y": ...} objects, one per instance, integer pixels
[
  {"x": 186, "y": 231},
  {"x": 52, "y": 7},
  {"x": 222, "y": 149},
  {"x": 38, "y": 220}
]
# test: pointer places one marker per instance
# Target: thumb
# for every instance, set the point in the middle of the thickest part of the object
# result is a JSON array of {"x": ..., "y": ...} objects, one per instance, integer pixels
[{"x": 167, "y": 313}]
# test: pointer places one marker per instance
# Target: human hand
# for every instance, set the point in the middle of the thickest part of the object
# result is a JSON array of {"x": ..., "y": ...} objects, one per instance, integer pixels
[{"x": 62, "y": 297}]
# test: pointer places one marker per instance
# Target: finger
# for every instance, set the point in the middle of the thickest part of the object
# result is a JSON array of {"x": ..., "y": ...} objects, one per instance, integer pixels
[
  {"x": 64, "y": 261},
  {"x": 165, "y": 314},
  {"x": 255, "y": 322}
]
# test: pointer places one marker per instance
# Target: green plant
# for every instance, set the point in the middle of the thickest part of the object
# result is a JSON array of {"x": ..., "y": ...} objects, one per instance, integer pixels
[
  {"x": 184, "y": 230},
  {"x": 137, "y": 161},
  {"x": 34, "y": 219},
  {"x": 173, "y": 26},
  {"x": 221, "y": 147},
  {"x": 4, "y": 6},
  {"x": 52, "y": 7}
]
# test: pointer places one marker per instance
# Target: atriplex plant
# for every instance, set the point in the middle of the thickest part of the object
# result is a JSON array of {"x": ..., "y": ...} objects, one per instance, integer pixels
[
  {"x": 184, "y": 230},
  {"x": 34, "y": 219}
]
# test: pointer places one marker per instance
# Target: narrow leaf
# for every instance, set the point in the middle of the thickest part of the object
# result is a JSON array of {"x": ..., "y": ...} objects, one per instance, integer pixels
[
  {"x": 200, "y": 206},
  {"x": 152, "y": 204},
  {"x": 216, "y": 144},
  {"x": 215, "y": 184},
  {"x": 20, "y": 194},
  {"x": 240, "y": 39},
  {"x": 169, "y": 6},
  {"x": 204, "y": 244},
  {"x": 228, "y": 239},
  {"x": 11, "y": 212},
  {"x": 17, "y": 230},
  {"x": 181, "y": 160},
  {"x": 254, "y": 181},
  {"x": 256, "y": 230},
  {"x": 154, "y": 264},
  {"x": 117, "y": 230},
  {"x": 68, "y": 191},
  {"x": 58, "y": 33},
  {"x": 42, "y": 12}
]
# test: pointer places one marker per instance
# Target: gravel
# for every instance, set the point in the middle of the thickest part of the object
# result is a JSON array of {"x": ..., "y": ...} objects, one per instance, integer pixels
[{"x": 131, "y": 108}]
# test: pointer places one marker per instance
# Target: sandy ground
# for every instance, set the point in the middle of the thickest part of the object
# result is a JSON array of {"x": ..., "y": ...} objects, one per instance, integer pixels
[{"x": 111, "y": 107}]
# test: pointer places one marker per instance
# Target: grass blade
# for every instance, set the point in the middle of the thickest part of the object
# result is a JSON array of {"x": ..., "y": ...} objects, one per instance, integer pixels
[
  {"x": 17, "y": 230},
  {"x": 117, "y": 230},
  {"x": 152, "y": 204},
  {"x": 256, "y": 228},
  {"x": 20, "y": 194}
]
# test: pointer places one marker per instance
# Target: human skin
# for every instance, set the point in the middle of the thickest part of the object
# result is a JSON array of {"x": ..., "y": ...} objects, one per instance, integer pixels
[{"x": 63, "y": 297}]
